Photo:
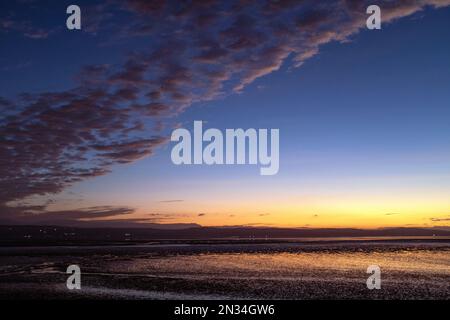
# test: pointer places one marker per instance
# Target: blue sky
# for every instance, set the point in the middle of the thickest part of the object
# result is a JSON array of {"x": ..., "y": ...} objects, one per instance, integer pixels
[{"x": 364, "y": 127}]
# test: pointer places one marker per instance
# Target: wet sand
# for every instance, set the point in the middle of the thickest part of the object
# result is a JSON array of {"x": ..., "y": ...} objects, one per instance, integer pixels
[{"x": 281, "y": 270}]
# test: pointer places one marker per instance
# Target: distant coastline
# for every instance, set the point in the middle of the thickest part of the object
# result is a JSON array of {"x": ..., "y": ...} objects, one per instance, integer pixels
[{"x": 58, "y": 235}]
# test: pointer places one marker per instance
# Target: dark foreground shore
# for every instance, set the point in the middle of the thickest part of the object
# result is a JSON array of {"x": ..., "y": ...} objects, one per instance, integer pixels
[{"x": 294, "y": 269}]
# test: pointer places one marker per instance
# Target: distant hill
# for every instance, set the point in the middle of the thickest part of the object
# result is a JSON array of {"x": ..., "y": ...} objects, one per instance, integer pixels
[{"x": 49, "y": 234}]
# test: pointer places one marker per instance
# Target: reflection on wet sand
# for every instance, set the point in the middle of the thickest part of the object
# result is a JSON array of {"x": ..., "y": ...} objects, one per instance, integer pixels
[{"x": 337, "y": 270}]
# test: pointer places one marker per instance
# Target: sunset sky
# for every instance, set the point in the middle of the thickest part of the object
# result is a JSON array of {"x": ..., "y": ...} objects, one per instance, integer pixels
[{"x": 364, "y": 115}]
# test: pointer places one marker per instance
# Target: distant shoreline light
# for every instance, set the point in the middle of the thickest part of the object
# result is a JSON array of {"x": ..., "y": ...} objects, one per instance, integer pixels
[{"x": 240, "y": 145}]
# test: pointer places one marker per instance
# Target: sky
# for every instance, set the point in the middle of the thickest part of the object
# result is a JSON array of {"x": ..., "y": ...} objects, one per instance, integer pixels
[{"x": 86, "y": 115}]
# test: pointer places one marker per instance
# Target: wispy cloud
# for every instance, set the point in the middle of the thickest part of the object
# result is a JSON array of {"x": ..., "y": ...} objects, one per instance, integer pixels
[{"x": 440, "y": 219}]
